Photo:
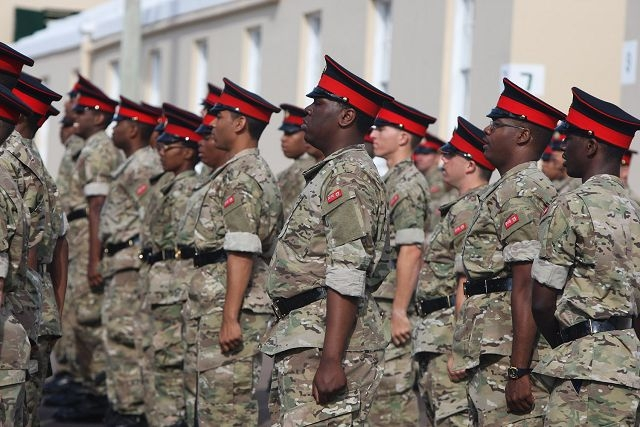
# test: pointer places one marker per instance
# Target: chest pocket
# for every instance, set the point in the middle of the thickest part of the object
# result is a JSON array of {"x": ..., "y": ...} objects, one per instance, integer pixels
[{"x": 301, "y": 232}]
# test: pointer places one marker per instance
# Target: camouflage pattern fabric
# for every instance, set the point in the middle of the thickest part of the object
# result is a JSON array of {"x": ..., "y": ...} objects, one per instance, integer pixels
[
  {"x": 566, "y": 184},
  {"x": 296, "y": 369},
  {"x": 72, "y": 149},
  {"x": 590, "y": 252},
  {"x": 440, "y": 194},
  {"x": 291, "y": 181},
  {"x": 596, "y": 404}
]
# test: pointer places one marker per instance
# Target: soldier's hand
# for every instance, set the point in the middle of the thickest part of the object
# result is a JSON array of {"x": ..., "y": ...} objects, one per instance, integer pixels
[
  {"x": 230, "y": 337},
  {"x": 329, "y": 380},
  {"x": 95, "y": 278},
  {"x": 519, "y": 396},
  {"x": 400, "y": 327},
  {"x": 453, "y": 374}
]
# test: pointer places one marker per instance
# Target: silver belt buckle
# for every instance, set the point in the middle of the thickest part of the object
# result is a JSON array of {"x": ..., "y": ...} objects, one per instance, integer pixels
[{"x": 276, "y": 311}]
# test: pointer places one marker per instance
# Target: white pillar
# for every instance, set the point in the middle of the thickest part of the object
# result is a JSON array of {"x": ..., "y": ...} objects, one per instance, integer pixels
[{"x": 130, "y": 51}]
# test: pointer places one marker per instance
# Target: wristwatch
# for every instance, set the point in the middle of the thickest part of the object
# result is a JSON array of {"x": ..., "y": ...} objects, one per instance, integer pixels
[{"x": 514, "y": 373}]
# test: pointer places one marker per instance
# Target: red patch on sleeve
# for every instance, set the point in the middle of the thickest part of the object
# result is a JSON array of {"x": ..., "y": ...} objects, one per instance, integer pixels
[
  {"x": 544, "y": 211},
  {"x": 334, "y": 196},
  {"x": 394, "y": 200},
  {"x": 459, "y": 229},
  {"x": 230, "y": 200},
  {"x": 511, "y": 220},
  {"x": 434, "y": 189},
  {"x": 142, "y": 189}
]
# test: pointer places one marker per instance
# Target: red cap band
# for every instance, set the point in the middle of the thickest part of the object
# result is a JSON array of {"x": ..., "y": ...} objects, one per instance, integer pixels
[
  {"x": 91, "y": 102},
  {"x": 292, "y": 120},
  {"x": 618, "y": 139},
  {"x": 11, "y": 66},
  {"x": 406, "y": 124},
  {"x": 463, "y": 145},
  {"x": 353, "y": 98},
  {"x": 244, "y": 108},
  {"x": 34, "y": 104},
  {"x": 9, "y": 114},
  {"x": 137, "y": 115},
  {"x": 532, "y": 115},
  {"x": 182, "y": 132}
]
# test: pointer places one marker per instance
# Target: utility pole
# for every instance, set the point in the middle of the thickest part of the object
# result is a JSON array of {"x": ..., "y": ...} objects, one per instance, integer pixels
[{"x": 130, "y": 51}]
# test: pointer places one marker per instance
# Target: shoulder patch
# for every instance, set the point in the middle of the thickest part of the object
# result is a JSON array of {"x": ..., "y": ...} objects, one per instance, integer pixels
[
  {"x": 142, "y": 189},
  {"x": 230, "y": 200},
  {"x": 434, "y": 189},
  {"x": 459, "y": 229},
  {"x": 394, "y": 200},
  {"x": 511, "y": 221},
  {"x": 544, "y": 211},
  {"x": 334, "y": 196}
]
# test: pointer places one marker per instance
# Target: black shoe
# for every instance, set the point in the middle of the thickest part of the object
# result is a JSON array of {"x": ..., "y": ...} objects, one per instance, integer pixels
[
  {"x": 59, "y": 383},
  {"x": 64, "y": 399},
  {"x": 81, "y": 413},
  {"x": 116, "y": 419}
]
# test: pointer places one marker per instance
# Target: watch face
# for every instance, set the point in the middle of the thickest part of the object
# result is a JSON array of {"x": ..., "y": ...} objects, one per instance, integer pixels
[{"x": 512, "y": 373}]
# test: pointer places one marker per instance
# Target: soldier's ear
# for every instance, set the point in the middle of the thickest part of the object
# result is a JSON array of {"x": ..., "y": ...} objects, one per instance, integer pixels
[
  {"x": 346, "y": 117},
  {"x": 591, "y": 147}
]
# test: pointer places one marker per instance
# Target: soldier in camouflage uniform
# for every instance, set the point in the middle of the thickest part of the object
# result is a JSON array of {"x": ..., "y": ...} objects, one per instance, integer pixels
[
  {"x": 329, "y": 337},
  {"x": 427, "y": 160},
  {"x": 234, "y": 218},
  {"x": 585, "y": 298},
  {"x": 397, "y": 130},
  {"x": 625, "y": 165},
  {"x": 120, "y": 224},
  {"x": 164, "y": 277},
  {"x": 291, "y": 180},
  {"x": 467, "y": 170},
  {"x": 497, "y": 334},
  {"x": 14, "y": 239},
  {"x": 553, "y": 166},
  {"x": 88, "y": 187}
]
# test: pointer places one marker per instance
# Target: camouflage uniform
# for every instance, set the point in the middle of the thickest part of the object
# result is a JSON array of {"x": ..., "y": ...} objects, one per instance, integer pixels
[
  {"x": 335, "y": 237},
  {"x": 590, "y": 254},
  {"x": 433, "y": 334},
  {"x": 408, "y": 198},
  {"x": 15, "y": 348},
  {"x": 504, "y": 230},
  {"x": 291, "y": 181},
  {"x": 120, "y": 221},
  {"x": 238, "y": 210},
  {"x": 440, "y": 194},
  {"x": 91, "y": 177},
  {"x": 65, "y": 348},
  {"x": 165, "y": 291},
  {"x": 566, "y": 184}
]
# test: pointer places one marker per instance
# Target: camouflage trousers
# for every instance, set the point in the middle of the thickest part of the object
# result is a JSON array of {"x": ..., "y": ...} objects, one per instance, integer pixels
[
  {"x": 40, "y": 355},
  {"x": 226, "y": 382},
  {"x": 14, "y": 362},
  {"x": 163, "y": 373},
  {"x": 595, "y": 404},
  {"x": 120, "y": 309},
  {"x": 446, "y": 401},
  {"x": 190, "y": 374},
  {"x": 487, "y": 403},
  {"x": 64, "y": 351},
  {"x": 295, "y": 371}
]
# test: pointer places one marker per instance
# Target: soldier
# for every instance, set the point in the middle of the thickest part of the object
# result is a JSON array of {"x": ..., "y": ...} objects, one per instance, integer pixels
[
  {"x": 157, "y": 112},
  {"x": 585, "y": 295},
  {"x": 14, "y": 236},
  {"x": 497, "y": 334},
  {"x": 11, "y": 63},
  {"x": 233, "y": 218},
  {"x": 467, "y": 170},
  {"x": 165, "y": 276},
  {"x": 427, "y": 159},
  {"x": 120, "y": 225},
  {"x": 329, "y": 338},
  {"x": 291, "y": 180},
  {"x": 625, "y": 164},
  {"x": 84, "y": 198},
  {"x": 553, "y": 166},
  {"x": 397, "y": 130},
  {"x": 213, "y": 96}
]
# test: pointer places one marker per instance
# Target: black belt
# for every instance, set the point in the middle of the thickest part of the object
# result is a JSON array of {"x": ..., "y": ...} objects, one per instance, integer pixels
[
  {"x": 204, "y": 258},
  {"x": 111, "y": 249},
  {"x": 478, "y": 287},
  {"x": 76, "y": 214},
  {"x": 283, "y": 306},
  {"x": 152, "y": 257},
  {"x": 428, "y": 306},
  {"x": 588, "y": 327},
  {"x": 185, "y": 252}
]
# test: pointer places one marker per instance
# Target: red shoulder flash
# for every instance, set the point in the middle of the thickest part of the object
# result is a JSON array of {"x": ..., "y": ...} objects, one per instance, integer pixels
[
  {"x": 334, "y": 196},
  {"x": 459, "y": 229},
  {"x": 142, "y": 189},
  {"x": 394, "y": 200},
  {"x": 230, "y": 200},
  {"x": 544, "y": 211},
  {"x": 434, "y": 189},
  {"x": 511, "y": 220}
]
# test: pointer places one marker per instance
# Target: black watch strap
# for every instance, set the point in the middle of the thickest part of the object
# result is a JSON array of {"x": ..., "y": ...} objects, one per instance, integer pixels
[{"x": 515, "y": 373}]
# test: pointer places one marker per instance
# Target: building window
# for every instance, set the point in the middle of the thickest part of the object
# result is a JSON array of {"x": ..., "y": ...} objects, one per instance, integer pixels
[
  {"x": 253, "y": 59},
  {"x": 314, "y": 61},
  {"x": 154, "y": 83},
  {"x": 114, "y": 79},
  {"x": 382, "y": 44},
  {"x": 461, "y": 60},
  {"x": 200, "y": 59}
]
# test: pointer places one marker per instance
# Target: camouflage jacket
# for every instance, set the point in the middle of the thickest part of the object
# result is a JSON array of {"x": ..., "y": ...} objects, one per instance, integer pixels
[
  {"x": 291, "y": 182},
  {"x": 439, "y": 194},
  {"x": 591, "y": 253},
  {"x": 123, "y": 210},
  {"x": 238, "y": 210},
  {"x": 335, "y": 237},
  {"x": 408, "y": 198},
  {"x": 438, "y": 276},
  {"x": 566, "y": 184},
  {"x": 72, "y": 149},
  {"x": 504, "y": 230}
]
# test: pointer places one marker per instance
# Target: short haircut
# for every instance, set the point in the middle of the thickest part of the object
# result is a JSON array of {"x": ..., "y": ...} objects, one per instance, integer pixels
[
  {"x": 485, "y": 173},
  {"x": 541, "y": 137},
  {"x": 415, "y": 140},
  {"x": 254, "y": 126}
]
